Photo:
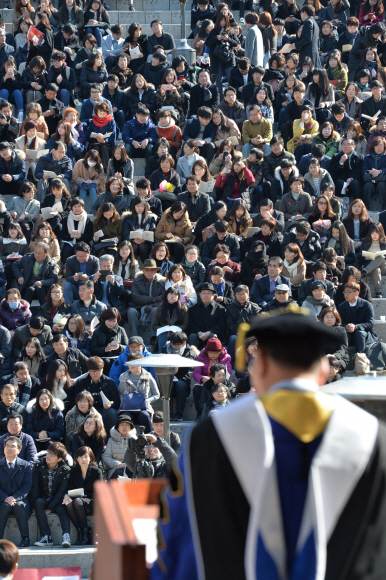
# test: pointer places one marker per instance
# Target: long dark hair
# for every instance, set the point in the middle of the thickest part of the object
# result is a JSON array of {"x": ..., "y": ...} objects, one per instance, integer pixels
[
  {"x": 94, "y": 157},
  {"x": 344, "y": 238},
  {"x": 50, "y": 306},
  {"x": 38, "y": 411},
  {"x": 165, "y": 307},
  {"x": 49, "y": 379},
  {"x": 131, "y": 257},
  {"x": 44, "y": 20},
  {"x": 221, "y": 16},
  {"x": 363, "y": 215},
  {"x": 323, "y": 83},
  {"x": 201, "y": 163},
  {"x": 40, "y": 354},
  {"x": 137, "y": 201},
  {"x": 244, "y": 220},
  {"x": 322, "y": 126},
  {"x": 377, "y": 9},
  {"x": 378, "y": 228},
  {"x": 80, "y": 326},
  {"x": 99, "y": 434},
  {"x": 132, "y": 29},
  {"x": 316, "y": 211},
  {"x": 100, "y": 218},
  {"x": 42, "y": 225},
  {"x": 363, "y": 61}
]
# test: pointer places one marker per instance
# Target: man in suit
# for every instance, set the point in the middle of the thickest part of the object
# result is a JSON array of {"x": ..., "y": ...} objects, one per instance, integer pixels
[
  {"x": 263, "y": 289},
  {"x": 15, "y": 485},
  {"x": 203, "y": 130},
  {"x": 309, "y": 39},
  {"x": 358, "y": 318},
  {"x": 346, "y": 167},
  {"x": 14, "y": 428},
  {"x": 206, "y": 318},
  {"x": 267, "y": 211},
  {"x": 80, "y": 267}
]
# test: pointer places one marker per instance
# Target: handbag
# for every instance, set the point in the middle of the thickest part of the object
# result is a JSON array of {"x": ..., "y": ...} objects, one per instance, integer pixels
[
  {"x": 223, "y": 52},
  {"x": 133, "y": 402},
  {"x": 127, "y": 283}
]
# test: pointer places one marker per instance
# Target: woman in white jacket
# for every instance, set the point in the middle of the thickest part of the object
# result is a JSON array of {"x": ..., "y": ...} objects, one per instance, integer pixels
[
  {"x": 178, "y": 277},
  {"x": 30, "y": 141},
  {"x": 254, "y": 48}
]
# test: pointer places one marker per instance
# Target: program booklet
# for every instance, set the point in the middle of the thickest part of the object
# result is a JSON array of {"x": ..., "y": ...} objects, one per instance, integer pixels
[{"x": 142, "y": 235}]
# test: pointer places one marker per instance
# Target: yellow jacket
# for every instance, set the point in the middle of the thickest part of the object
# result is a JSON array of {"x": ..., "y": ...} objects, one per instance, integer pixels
[{"x": 298, "y": 131}]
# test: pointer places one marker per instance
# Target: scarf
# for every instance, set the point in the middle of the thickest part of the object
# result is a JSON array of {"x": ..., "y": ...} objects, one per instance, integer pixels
[
  {"x": 73, "y": 342},
  {"x": 171, "y": 124},
  {"x": 111, "y": 333},
  {"x": 170, "y": 350},
  {"x": 92, "y": 100},
  {"x": 219, "y": 288},
  {"x": 363, "y": 87},
  {"x": 372, "y": 66},
  {"x": 58, "y": 389},
  {"x": 118, "y": 165},
  {"x": 33, "y": 144},
  {"x": 74, "y": 132},
  {"x": 98, "y": 122},
  {"x": 291, "y": 268},
  {"x": 80, "y": 219},
  {"x": 207, "y": 93},
  {"x": 26, "y": 391},
  {"x": 325, "y": 301}
]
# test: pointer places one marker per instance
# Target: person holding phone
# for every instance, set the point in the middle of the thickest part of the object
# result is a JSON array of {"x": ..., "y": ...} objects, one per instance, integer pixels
[
  {"x": 108, "y": 287},
  {"x": 109, "y": 339}
]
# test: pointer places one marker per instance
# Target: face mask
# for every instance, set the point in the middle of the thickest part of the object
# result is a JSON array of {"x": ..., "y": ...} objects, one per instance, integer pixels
[
  {"x": 295, "y": 195},
  {"x": 91, "y": 163},
  {"x": 13, "y": 305}
]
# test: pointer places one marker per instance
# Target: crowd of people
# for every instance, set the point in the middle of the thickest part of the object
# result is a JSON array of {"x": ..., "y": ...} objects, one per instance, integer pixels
[{"x": 262, "y": 161}]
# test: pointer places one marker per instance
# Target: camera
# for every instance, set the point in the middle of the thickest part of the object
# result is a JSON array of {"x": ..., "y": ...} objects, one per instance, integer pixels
[
  {"x": 140, "y": 443},
  {"x": 2, "y": 116}
]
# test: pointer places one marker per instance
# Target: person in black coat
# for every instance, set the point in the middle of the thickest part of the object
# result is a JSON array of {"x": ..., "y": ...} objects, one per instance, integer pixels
[
  {"x": 90, "y": 433},
  {"x": 83, "y": 475},
  {"x": 96, "y": 382},
  {"x": 240, "y": 310},
  {"x": 262, "y": 290},
  {"x": 358, "y": 318},
  {"x": 56, "y": 222},
  {"x": 350, "y": 170},
  {"x": 272, "y": 239},
  {"x": 192, "y": 130},
  {"x": 216, "y": 38},
  {"x": 242, "y": 69},
  {"x": 257, "y": 83},
  {"x": 308, "y": 44},
  {"x": 43, "y": 498},
  {"x": 222, "y": 236},
  {"x": 206, "y": 318},
  {"x": 133, "y": 100},
  {"x": 106, "y": 333},
  {"x": 75, "y": 360},
  {"x": 72, "y": 42},
  {"x": 374, "y": 104},
  {"x": 51, "y": 103},
  {"x": 319, "y": 270},
  {"x": 216, "y": 277},
  {"x": 330, "y": 317},
  {"x": 154, "y": 70},
  {"x": 9, "y": 407},
  {"x": 310, "y": 244},
  {"x": 254, "y": 263},
  {"x": 15, "y": 483},
  {"x": 199, "y": 95},
  {"x": 46, "y": 49},
  {"x": 197, "y": 203},
  {"x": 266, "y": 211},
  {"x": 45, "y": 420},
  {"x": 134, "y": 34},
  {"x": 66, "y": 76},
  {"x": 204, "y": 11},
  {"x": 368, "y": 37},
  {"x": 165, "y": 39}
]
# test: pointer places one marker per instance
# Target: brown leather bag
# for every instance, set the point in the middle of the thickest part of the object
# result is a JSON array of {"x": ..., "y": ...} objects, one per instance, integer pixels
[{"x": 209, "y": 231}]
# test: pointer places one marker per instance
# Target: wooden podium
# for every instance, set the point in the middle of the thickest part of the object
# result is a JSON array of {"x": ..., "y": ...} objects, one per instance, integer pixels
[{"x": 118, "y": 506}]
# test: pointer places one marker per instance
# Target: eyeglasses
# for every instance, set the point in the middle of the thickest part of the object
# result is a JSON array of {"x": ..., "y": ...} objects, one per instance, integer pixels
[
  {"x": 219, "y": 392},
  {"x": 56, "y": 292},
  {"x": 348, "y": 292},
  {"x": 95, "y": 372},
  {"x": 11, "y": 446}
]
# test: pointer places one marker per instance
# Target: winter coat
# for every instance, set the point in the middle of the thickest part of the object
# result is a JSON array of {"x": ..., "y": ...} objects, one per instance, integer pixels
[
  {"x": 76, "y": 480},
  {"x": 135, "y": 131},
  {"x": 87, "y": 110},
  {"x": 153, "y": 74},
  {"x": 311, "y": 248},
  {"x": 362, "y": 317},
  {"x": 158, "y": 177},
  {"x": 243, "y": 229},
  {"x": 192, "y": 130},
  {"x": 130, "y": 226},
  {"x": 76, "y": 14},
  {"x": 143, "y": 294},
  {"x": 197, "y": 95},
  {"x": 254, "y": 48},
  {"x": 54, "y": 426},
  {"x": 54, "y": 251},
  {"x": 236, "y": 314},
  {"x": 13, "y": 409},
  {"x": 234, "y": 187},
  {"x": 168, "y": 42},
  {"x": 238, "y": 110},
  {"x": 230, "y": 240},
  {"x": 200, "y": 372},
  {"x": 105, "y": 385},
  {"x": 157, "y": 323},
  {"x": 308, "y": 44},
  {"x": 272, "y": 161},
  {"x": 85, "y": 237},
  {"x": 58, "y": 166},
  {"x": 5, "y": 351},
  {"x": 299, "y": 276},
  {"x": 252, "y": 130},
  {"x": 203, "y": 318},
  {"x": 329, "y": 100},
  {"x": 17, "y": 167},
  {"x": 298, "y": 131},
  {"x": 40, "y": 484},
  {"x": 23, "y": 335},
  {"x": 182, "y": 228},
  {"x": 68, "y": 77},
  {"x": 109, "y": 128},
  {"x": 88, "y": 312},
  {"x": 96, "y": 448},
  {"x": 125, "y": 77},
  {"x": 119, "y": 365},
  {"x": 44, "y": 50},
  {"x": 21, "y": 205},
  {"x": 273, "y": 243},
  {"x": 331, "y": 145},
  {"x": 114, "y": 453},
  {"x": 23, "y": 268},
  {"x": 42, "y": 125},
  {"x": 9, "y": 246},
  {"x": 324, "y": 180},
  {"x": 117, "y": 99},
  {"x": 12, "y": 319},
  {"x": 172, "y": 133},
  {"x": 177, "y": 100},
  {"x": 29, "y": 77},
  {"x": 133, "y": 101},
  {"x": 28, "y": 450},
  {"x": 291, "y": 207},
  {"x": 102, "y": 337},
  {"x": 212, "y": 41},
  {"x": 183, "y": 166},
  {"x": 353, "y": 109},
  {"x": 75, "y": 360},
  {"x": 82, "y": 173},
  {"x": 200, "y": 202},
  {"x": 363, "y": 41},
  {"x": 195, "y": 272},
  {"x": 231, "y": 130},
  {"x": 352, "y": 167},
  {"x": 119, "y": 201}
]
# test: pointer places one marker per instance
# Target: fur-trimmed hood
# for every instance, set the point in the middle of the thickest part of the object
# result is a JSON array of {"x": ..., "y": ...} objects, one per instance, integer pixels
[
  {"x": 59, "y": 405},
  {"x": 39, "y": 458},
  {"x": 21, "y": 241},
  {"x": 115, "y": 434},
  {"x": 277, "y": 175}
]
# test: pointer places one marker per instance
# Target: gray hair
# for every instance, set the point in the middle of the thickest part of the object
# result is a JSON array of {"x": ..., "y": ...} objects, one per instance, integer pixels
[
  {"x": 348, "y": 140},
  {"x": 242, "y": 288},
  {"x": 106, "y": 258},
  {"x": 18, "y": 442},
  {"x": 43, "y": 245}
]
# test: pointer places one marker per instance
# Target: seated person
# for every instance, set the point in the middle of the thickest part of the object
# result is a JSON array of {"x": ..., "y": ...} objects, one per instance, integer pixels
[
  {"x": 254, "y": 264},
  {"x": 154, "y": 70},
  {"x": 339, "y": 118},
  {"x": 67, "y": 40},
  {"x": 91, "y": 433},
  {"x": 330, "y": 317},
  {"x": 272, "y": 239},
  {"x": 281, "y": 299},
  {"x": 96, "y": 382},
  {"x": 374, "y": 242},
  {"x": 82, "y": 266},
  {"x": 267, "y": 210},
  {"x": 240, "y": 310},
  {"x": 159, "y": 460},
  {"x": 241, "y": 74},
  {"x": 197, "y": 203},
  {"x": 232, "y": 107},
  {"x": 257, "y": 132},
  {"x": 112, "y": 44},
  {"x": 45, "y": 419},
  {"x": 15, "y": 428},
  {"x": 77, "y": 228},
  {"x": 81, "y": 411},
  {"x": 147, "y": 292},
  {"x": 26, "y": 383},
  {"x": 35, "y": 273},
  {"x": 30, "y": 140},
  {"x": 135, "y": 346},
  {"x": 88, "y": 307},
  {"x": 346, "y": 169},
  {"x": 12, "y": 168},
  {"x": 9, "y": 125},
  {"x": 114, "y": 453},
  {"x": 193, "y": 267},
  {"x": 318, "y": 299},
  {"x": 109, "y": 338},
  {"x": 87, "y": 110},
  {"x": 307, "y": 240},
  {"x": 177, "y": 344},
  {"x": 12, "y": 242},
  {"x": 272, "y": 160},
  {"x": 43, "y": 234},
  {"x": 5, "y": 352},
  {"x": 75, "y": 360},
  {"x": 296, "y": 204},
  {"x": 358, "y": 318},
  {"x": 14, "y": 312},
  {"x": 9, "y": 406},
  {"x": 230, "y": 269},
  {"x": 165, "y": 172},
  {"x": 263, "y": 288},
  {"x": 63, "y": 76},
  {"x": 115, "y": 95},
  {"x": 203, "y": 131},
  {"x": 103, "y": 125},
  {"x": 14, "y": 492},
  {"x": 55, "y": 305},
  {"x": 139, "y": 135},
  {"x": 109, "y": 288},
  {"x": 204, "y": 93},
  {"x": 49, "y": 486},
  {"x": 144, "y": 191},
  {"x": 167, "y": 129},
  {"x": 319, "y": 270},
  {"x": 222, "y": 236},
  {"x": 96, "y": 14},
  {"x": 217, "y": 375},
  {"x": 280, "y": 184},
  {"x": 52, "y": 108},
  {"x": 206, "y": 318},
  {"x": 56, "y": 162},
  {"x": 140, "y": 217},
  {"x": 223, "y": 288},
  {"x": 11, "y": 87},
  {"x": 35, "y": 328},
  {"x": 317, "y": 152},
  {"x": 158, "y": 430},
  {"x": 213, "y": 353},
  {"x": 136, "y": 380},
  {"x": 376, "y": 104}
]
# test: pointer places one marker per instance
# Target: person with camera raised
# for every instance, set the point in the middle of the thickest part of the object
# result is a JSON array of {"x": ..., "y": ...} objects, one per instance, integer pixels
[
  {"x": 114, "y": 453},
  {"x": 157, "y": 461}
]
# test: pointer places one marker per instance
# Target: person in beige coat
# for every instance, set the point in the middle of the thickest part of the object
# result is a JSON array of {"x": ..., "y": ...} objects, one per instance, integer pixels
[
  {"x": 84, "y": 172},
  {"x": 294, "y": 267},
  {"x": 44, "y": 233},
  {"x": 225, "y": 129},
  {"x": 175, "y": 228}
]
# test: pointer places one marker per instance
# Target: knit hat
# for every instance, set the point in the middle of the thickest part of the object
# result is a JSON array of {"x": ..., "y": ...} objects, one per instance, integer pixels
[
  {"x": 213, "y": 344},
  {"x": 318, "y": 284}
]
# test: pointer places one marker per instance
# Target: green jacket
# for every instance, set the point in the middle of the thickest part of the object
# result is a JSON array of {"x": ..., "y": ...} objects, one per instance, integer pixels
[
  {"x": 331, "y": 145},
  {"x": 251, "y": 130}
]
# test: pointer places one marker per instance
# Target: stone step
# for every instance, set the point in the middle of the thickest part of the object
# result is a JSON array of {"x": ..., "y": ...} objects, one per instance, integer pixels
[
  {"x": 383, "y": 286},
  {"x": 145, "y": 17},
  {"x": 379, "y": 307},
  {"x": 35, "y": 557},
  {"x": 12, "y": 531},
  {"x": 189, "y": 412},
  {"x": 139, "y": 166},
  {"x": 374, "y": 215},
  {"x": 380, "y": 329}
]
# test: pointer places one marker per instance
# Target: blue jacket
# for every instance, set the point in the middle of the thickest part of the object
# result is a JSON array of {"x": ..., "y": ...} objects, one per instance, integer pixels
[
  {"x": 261, "y": 288},
  {"x": 54, "y": 426},
  {"x": 16, "y": 169},
  {"x": 114, "y": 291},
  {"x": 49, "y": 163},
  {"x": 118, "y": 367},
  {"x": 109, "y": 128},
  {"x": 72, "y": 150},
  {"x": 362, "y": 316},
  {"x": 87, "y": 110},
  {"x": 20, "y": 481},
  {"x": 369, "y": 162},
  {"x": 28, "y": 450},
  {"x": 134, "y": 131},
  {"x": 192, "y": 129}
]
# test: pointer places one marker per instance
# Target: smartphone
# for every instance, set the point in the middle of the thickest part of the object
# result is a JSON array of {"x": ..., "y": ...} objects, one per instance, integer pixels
[
  {"x": 305, "y": 70},
  {"x": 114, "y": 343},
  {"x": 103, "y": 274}
]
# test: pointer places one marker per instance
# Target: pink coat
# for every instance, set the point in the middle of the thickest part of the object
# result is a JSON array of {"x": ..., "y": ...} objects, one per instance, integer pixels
[{"x": 199, "y": 372}]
